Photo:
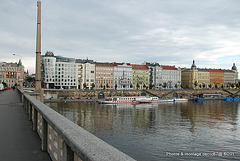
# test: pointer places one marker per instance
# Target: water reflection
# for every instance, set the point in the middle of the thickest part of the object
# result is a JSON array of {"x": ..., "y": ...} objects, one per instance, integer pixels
[{"x": 150, "y": 131}]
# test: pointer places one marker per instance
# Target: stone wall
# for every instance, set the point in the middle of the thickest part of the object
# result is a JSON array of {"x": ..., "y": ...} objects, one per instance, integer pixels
[{"x": 56, "y": 94}]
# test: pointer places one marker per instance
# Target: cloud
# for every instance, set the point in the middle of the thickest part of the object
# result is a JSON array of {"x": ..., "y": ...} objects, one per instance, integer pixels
[{"x": 169, "y": 32}]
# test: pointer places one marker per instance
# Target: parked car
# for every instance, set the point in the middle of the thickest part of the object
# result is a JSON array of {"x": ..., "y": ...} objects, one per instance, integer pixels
[{"x": 7, "y": 88}]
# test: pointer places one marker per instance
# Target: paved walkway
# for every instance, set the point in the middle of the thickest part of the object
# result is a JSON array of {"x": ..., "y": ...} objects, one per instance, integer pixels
[{"x": 17, "y": 140}]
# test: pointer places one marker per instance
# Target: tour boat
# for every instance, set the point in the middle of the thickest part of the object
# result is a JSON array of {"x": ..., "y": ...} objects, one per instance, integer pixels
[{"x": 133, "y": 100}]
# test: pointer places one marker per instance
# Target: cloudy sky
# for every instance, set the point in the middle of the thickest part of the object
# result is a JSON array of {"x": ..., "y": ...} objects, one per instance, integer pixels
[{"x": 170, "y": 32}]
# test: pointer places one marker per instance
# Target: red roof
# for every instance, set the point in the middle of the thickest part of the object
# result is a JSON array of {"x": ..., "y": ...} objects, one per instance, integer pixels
[
  {"x": 116, "y": 64},
  {"x": 169, "y": 67},
  {"x": 135, "y": 66},
  {"x": 215, "y": 70}
]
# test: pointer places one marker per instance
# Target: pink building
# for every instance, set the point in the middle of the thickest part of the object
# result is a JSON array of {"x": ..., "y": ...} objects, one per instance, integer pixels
[{"x": 104, "y": 75}]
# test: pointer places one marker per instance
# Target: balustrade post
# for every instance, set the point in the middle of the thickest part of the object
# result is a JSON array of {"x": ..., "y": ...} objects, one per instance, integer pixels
[
  {"x": 44, "y": 134},
  {"x": 27, "y": 106},
  {"x": 67, "y": 153},
  {"x": 35, "y": 119},
  {"x": 30, "y": 112}
]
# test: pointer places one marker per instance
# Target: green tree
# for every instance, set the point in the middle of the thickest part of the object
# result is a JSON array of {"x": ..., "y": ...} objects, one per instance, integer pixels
[
  {"x": 216, "y": 86},
  {"x": 204, "y": 85},
  {"x": 222, "y": 86},
  {"x": 164, "y": 85},
  {"x": 84, "y": 85},
  {"x": 101, "y": 85},
  {"x": 144, "y": 86},
  {"x": 131, "y": 85},
  {"x": 124, "y": 86},
  {"x": 195, "y": 84},
  {"x": 232, "y": 85},
  {"x": 4, "y": 84},
  {"x": 176, "y": 85},
  {"x": 187, "y": 86},
  {"x": 115, "y": 86},
  {"x": 92, "y": 86},
  {"x": 138, "y": 85},
  {"x": 107, "y": 85},
  {"x": 200, "y": 86},
  {"x": 210, "y": 86}
]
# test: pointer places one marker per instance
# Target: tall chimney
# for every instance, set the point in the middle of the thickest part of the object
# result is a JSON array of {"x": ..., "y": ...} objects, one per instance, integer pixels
[{"x": 38, "y": 52}]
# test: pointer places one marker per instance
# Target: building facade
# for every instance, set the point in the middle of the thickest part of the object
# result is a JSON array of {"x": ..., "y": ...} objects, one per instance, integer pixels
[
  {"x": 195, "y": 77},
  {"x": 140, "y": 76},
  {"x": 122, "y": 76},
  {"x": 216, "y": 78},
  {"x": 12, "y": 73},
  {"x": 59, "y": 72},
  {"x": 104, "y": 75},
  {"x": 86, "y": 73},
  {"x": 164, "y": 76}
]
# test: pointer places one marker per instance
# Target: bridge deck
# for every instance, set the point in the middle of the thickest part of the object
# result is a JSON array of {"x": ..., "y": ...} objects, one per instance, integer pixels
[{"x": 17, "y": 140}]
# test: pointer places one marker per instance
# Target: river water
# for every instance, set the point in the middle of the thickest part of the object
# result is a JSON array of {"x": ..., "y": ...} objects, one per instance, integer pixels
[{"x": 167, "y": 131}]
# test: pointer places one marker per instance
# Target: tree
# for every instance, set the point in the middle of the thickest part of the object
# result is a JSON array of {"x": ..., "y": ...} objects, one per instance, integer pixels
[
  {"x": 222, "y": 86},
  {"x": 232, "y": 85},
  {"x": 131, "y": 85},
  {"x": 107, "y": 85},
  {"x": 84, "y": 85},
  {"x": 101, "y": 85},
  {"x": 115, "y": 86},
  {"x": 187, "y": 86},
  {"x": 210, "y": 86},
  {"x": 164, "y": 85},
  {"x": 124, "y": 86},
  {"x": 138, "y": 85},
  {"x": 195, "y": 84},
  {"x": 4, "y": 84},
  {"x": 200, "y": 86},
  {"x": 204, "y": 85},
  {"x": 176, "y": 85},
  {"x": 92, "y": 85},
  {"x": 144, "y": 86},
  {"x": 216, "y": 86}
]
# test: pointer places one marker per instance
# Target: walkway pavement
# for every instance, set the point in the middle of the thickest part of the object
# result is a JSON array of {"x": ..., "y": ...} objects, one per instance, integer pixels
[{"x": 17, "y": 140}]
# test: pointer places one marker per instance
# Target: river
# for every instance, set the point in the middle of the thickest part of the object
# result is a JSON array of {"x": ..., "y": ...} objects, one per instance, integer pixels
[{"x": 166, "y": 131}]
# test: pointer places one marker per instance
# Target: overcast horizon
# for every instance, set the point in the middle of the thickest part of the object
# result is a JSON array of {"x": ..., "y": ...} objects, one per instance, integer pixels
[{"x": 169, "y": 32}]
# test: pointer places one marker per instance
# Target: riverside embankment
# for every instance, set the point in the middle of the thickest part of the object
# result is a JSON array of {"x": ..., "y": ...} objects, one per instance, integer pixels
[{"x": 90, "y": 95}]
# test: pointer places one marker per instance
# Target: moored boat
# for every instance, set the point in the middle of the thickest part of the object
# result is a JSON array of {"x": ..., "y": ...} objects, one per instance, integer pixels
[
  {"x": 198, "y": 99},
  {"x": 133, "y": 100},
  {"x": 231, "y": 99}
]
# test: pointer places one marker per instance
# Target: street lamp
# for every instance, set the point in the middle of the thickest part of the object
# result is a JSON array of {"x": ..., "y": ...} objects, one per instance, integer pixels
[{"x": 17, "y": 55}]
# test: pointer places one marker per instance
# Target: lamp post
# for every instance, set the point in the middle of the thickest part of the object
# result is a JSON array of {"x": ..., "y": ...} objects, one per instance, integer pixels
[
  {"x": 17, "y": 55},
  {"x": 19, "y": 80}
]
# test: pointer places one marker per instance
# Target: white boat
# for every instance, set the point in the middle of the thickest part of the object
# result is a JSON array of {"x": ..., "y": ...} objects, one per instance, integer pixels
[{"x": 121, "y": 100}]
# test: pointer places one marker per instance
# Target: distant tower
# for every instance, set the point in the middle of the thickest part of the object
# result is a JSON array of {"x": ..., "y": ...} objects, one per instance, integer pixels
[
  {"x": 234, "y": 69},
  {"x": 193, "y": 67},
  {"x": 38, "y": 53}
]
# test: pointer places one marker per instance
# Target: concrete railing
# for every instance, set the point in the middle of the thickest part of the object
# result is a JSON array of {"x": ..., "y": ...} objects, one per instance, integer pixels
[{"x": 63, "y": 139}]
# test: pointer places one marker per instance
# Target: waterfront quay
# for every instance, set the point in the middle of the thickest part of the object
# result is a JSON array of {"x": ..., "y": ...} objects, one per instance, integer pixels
[
  {"x": 33, "y": 131},
  {"x": 92, "y": 95}
]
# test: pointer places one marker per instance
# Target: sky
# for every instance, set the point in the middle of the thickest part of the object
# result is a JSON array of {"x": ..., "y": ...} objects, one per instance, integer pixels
[{"x": 169, "y": 32}]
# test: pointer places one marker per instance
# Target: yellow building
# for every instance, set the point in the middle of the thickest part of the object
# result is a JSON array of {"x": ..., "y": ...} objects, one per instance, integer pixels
[
  {"x": 195, "y": 77},
  {"x": 140, "y": 76}
]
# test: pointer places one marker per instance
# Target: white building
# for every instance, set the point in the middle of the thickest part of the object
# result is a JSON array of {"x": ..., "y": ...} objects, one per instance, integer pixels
[
  {"x": 122, "y": 76},
  {"x": 86, "y": 73},
  {"x": 164, "y": 76},
  {"x": 59, "y": 72}
]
